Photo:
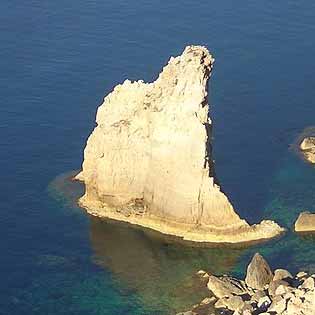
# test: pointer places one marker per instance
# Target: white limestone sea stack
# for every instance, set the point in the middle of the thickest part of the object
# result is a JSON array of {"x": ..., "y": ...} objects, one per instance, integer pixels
[{"x": 149, "y": 160}]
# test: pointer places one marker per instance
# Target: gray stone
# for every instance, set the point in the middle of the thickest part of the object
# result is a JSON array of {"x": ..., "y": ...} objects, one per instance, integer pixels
[
  {"x": 299, "y": 292},
  {"x": 282, "y": 274},
  {"x": 308, "y": 284},
  {"x": 258, "y": 295},
  {"x": 274, "y": 285},
  {"x": 247, "y": 312},
  {"x": 220, "y": 303},
  {"x": 278, "y": 306},
  {"x": 301, "y": 274},
  {"x": 233, "y": 302},
  {"x": 306, "y": 221},
  {"x": 208, "y": 300},
  {"x": 200, "y": 273},
  {"x": 264, "y": 303},
  {"x": 289, "y": 295},
  {"x": 225, "y": 286},
  {"x": 258, "y": 273},
  {"x": 283, "y": 289},
  {"x": 247, "y": 307}
]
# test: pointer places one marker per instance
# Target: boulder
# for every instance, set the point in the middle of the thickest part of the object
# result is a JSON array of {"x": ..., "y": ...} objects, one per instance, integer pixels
[
  {"x": 278, "y": 305},
  {"x": 283, "y": 289},
  {"x": 258, "y": 295},
  {"x": 308, "y": 143},
  {"x": 309, "y": 284},
  {"x": 301, "y": 274},
  {"x": 232, "y": 302},
  {"x": 226, "y": 286},
  {"x": 273, "y": 286},
  {"x": 282, "y": 274},
  {"x": 264, "y": 303},
  {"x": 258, "y": 273},
  {"x": 305, "y": 222},
  {"x": 208, "y": 300},
  {"x": 307, "y": 147},
  {"x": 201, "y": 273}
]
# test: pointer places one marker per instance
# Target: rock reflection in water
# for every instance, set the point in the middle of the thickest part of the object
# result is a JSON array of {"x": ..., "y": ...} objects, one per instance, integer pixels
[{"x": 158, "y": 268}]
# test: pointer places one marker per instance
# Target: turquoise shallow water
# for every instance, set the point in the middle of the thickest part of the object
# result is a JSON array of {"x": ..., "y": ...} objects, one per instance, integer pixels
[{"x": 58, "y": 59}]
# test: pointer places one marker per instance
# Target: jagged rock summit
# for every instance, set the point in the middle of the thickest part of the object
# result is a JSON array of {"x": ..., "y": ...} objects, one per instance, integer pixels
[{"x": 149, "y": 160}]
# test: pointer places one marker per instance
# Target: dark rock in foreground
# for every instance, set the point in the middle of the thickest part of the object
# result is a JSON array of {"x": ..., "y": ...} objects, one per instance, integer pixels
[
  {"x": 258, "y": 273},
  {"x": 263, "y": 292}
]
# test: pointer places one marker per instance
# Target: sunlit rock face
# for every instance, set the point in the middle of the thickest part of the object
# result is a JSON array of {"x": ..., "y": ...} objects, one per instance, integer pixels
[
  {"x": 307, "y": 147},
  {"x": 305, "y": 222},
  {"x": 149, "y": 160}
]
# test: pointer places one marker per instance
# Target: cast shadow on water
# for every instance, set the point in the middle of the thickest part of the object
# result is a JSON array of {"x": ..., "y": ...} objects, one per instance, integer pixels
[{"x": 159, "y": 270}]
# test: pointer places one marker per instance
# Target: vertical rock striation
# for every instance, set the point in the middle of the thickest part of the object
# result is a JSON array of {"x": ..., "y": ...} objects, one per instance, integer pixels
[{"x": 149, "y": 160}]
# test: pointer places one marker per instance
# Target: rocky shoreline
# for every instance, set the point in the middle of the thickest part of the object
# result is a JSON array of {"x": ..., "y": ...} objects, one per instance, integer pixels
[
  {"x": 263, "y": 292},
  {"x": 244, "y": 234}
]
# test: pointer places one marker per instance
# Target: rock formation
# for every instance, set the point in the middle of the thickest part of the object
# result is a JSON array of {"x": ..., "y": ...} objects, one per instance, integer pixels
[
  {"x": 307, "y": 147},
  {"x": 149, "y": 160},
  {"x": 305, "y": 222},
  {"x": 258, "y": 273},
  {"x": 284, "y": 294}
]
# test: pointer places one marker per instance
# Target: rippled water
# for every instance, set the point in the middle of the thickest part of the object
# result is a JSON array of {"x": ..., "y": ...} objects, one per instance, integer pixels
[{"x": 58, "y": 59}]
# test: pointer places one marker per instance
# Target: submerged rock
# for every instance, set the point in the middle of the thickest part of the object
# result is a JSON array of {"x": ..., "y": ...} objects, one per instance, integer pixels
[
  {"x": 149, "y": 159},
  {"x": 307, "y": 147},
  {"x": 258, "y": 273},
  {"x": 305, "y": 222}
]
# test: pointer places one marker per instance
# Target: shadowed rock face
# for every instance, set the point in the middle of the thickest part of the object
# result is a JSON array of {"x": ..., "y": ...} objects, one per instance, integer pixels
[
  {"x": 149, "y": 160},
  {"x": 258, "y": 273}
]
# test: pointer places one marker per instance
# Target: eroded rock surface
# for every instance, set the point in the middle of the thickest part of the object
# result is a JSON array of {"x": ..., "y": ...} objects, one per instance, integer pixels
[
  {"x": 305, "y": 222},
  {"x": 258, "y": 273},
  {"x": 307, "y": 147},
  {"x": 149, "y": 160}
]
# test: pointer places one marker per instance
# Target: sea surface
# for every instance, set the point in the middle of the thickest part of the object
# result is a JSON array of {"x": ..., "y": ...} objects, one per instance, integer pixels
[{"x": 58, "y": 59}]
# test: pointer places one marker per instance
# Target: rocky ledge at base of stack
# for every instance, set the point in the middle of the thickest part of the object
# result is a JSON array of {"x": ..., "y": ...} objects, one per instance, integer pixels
[
  {"x": 149, "y": 160},
  {"x": 263, "y": 292}
]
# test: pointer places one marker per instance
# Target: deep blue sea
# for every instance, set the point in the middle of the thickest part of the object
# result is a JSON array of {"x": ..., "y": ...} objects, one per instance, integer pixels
[{"x": 57, "y": 61}]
